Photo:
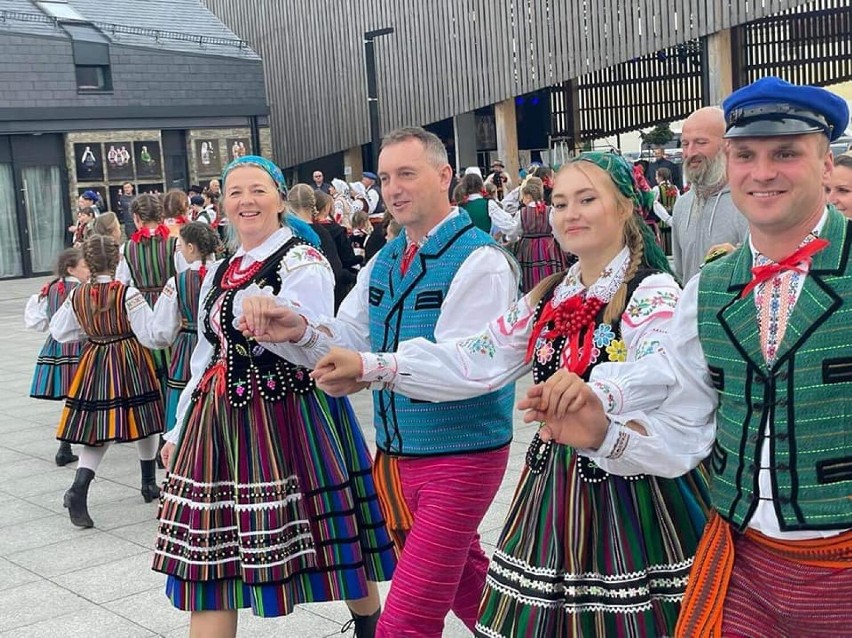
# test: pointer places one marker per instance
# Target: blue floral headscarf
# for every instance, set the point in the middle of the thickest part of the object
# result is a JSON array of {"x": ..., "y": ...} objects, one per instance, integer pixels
[
  {"x": 621, "y": 173},
  {"x": 299, "y": 227}
]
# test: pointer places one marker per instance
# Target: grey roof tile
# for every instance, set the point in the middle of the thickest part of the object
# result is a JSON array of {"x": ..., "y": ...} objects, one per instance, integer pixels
[{"x": 174, "y": 25}]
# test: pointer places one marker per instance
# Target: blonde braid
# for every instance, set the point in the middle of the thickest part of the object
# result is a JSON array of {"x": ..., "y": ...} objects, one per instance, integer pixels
[{"x": 636, "y": 245}]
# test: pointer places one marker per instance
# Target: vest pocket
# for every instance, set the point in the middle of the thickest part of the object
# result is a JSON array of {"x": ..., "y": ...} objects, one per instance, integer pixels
[
  {"x": 718, "y": 458},
  {"x": 837, "y": 370},
  {"x": 834, "y": 470}
]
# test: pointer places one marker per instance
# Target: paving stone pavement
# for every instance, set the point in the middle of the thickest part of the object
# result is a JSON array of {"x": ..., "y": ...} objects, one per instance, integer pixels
[{"x": 57, "y": 580}]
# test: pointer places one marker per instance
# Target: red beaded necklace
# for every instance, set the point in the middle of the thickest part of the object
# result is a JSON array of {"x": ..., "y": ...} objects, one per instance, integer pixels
[
  {"x": 234, "y": 277},
  {"x": 573, "y": 318}
]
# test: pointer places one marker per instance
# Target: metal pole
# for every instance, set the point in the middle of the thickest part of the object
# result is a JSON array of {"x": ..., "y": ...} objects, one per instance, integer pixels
[{"x": 373, "y": 92}]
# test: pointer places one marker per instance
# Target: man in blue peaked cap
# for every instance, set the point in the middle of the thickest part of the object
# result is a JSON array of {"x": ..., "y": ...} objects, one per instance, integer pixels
[{"x": 756, "y": 374}]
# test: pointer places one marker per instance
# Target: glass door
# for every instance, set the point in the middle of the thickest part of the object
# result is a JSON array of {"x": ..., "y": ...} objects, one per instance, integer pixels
[
  {"x": 11, "y": 262},
  {"x": 43, "y": 204}
]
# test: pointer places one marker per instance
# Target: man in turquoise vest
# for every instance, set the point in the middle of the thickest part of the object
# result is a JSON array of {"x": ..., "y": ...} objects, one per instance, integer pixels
[
  {"x": 439, "y": 464},
  {"x": 756, "y": 373}
]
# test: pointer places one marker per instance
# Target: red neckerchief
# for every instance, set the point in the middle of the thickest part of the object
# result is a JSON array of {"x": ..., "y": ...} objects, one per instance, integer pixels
[{"x": 794, "y": 261}]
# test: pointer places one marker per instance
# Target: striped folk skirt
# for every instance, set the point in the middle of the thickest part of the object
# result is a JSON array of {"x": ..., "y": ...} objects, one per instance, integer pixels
[
  {"x": 269, "y": 506},
  {"x": 55, "y": 368},
  {"x": 586, "y": 553},
  {"x": 114, "y": 396},
  {"x": 179, "y": 373},
  {"x": 539, "y": 256}
]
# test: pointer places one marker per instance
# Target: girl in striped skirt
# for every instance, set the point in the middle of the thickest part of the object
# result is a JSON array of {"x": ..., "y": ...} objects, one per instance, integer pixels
[
  {"x": 176, "y": 311},
  {"x": 56, "y": 361},
  {"x": 269, "y": 501},
  {"x": 150, "y": 259},
  {"x": 582, "y": 552},
  {"x": 538, "y": 252},
  {"x": 114, "y": 395}
]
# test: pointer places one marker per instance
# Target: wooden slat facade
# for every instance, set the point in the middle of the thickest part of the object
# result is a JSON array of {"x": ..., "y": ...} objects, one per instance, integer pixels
[{"x": 446, "y": 56}]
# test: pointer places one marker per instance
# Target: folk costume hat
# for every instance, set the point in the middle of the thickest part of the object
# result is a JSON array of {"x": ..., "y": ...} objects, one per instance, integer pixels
[
  {"x": 299, "y": 227},
  {"x": 772, "y": 107}
]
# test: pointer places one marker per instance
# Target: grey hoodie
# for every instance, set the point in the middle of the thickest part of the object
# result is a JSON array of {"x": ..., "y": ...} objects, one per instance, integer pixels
[{"x": 694, "y": 232}]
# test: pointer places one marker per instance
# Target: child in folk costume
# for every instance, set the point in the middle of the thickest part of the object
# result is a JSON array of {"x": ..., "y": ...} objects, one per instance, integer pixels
[
  {"x": 114, "y": 396},
  {"x": 582, "y": 552},
  {"x": 537, "y": 251},
  {"x": 56, "y": 361},
  {"x": 176, "y": 310},
  {"x": 269, "y": 501},
  {"x": 150, "y": 259}
]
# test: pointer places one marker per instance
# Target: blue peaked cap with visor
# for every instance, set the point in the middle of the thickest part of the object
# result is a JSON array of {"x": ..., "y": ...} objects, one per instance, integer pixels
[
  {"x": 771, "y": 107},
  {"x": 299, "y": 227}
]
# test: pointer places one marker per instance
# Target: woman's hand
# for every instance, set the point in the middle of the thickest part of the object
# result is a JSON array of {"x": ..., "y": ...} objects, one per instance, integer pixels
[
  {"x": 166, "y": 455},
  {"x": 264, "y": 320},
  {"x": 584, "y": 426},
  {"x": 337, "y": 373},
  {"x": 562, "y": 393}
]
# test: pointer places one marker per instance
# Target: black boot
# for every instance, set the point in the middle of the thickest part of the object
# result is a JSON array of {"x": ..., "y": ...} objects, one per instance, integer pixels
[
  {"x": 365, "y": 626},
  {"x": 150, "y": 490},
  {"x": 76, "y": 497},
  {"x": 64, "y": 455}
]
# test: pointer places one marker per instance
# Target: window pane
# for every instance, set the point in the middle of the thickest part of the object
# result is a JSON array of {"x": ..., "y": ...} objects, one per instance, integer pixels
[
  {"x": 90, "y": 77},
  {"x": 45, "y": 214},
  {"x": 10, "y": 248}
]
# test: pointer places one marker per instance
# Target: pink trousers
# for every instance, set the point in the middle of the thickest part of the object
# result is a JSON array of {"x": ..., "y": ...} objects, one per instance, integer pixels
[
  {"x": 770, "y": 597},
  {"x": 442, "y": 567}
]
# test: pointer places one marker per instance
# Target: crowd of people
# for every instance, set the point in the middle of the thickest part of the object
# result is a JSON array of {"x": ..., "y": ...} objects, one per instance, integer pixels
[{"x": 690, "y": 475}]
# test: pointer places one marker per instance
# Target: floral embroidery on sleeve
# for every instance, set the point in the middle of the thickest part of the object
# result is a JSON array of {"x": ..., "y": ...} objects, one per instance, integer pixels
[
  {"x": 516, "y": 318},
  {"x": 303, "y": 256},
  {"x": 481, "y": 344},
  {"x": 641, "y": 308}
]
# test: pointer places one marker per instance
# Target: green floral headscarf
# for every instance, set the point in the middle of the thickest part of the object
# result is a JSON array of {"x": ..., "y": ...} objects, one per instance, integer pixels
[{"x": 621, "y": 173}]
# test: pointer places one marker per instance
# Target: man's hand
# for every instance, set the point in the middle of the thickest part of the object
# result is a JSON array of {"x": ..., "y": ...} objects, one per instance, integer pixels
[
  {"x": 584, "y": 424},
  {"x": 264, "y": 320},
  {"x": 166, "y": 455},
  {"x": 717, "y": 251},
  {"x": 337, "y": 373}
]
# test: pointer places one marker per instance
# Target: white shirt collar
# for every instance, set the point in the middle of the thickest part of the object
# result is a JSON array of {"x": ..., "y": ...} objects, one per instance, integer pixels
[
  {"x": 453, "y": 213},
  {"x": 103, "y": 279},
  {"x": 755, "y": 253},
  {"x": 272, "y": 243},
  {"x": 604, "y": 288}
]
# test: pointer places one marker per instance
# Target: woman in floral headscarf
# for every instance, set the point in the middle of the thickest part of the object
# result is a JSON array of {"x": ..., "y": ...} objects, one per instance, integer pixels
[
  {"x": 269, "y": 501},
  {"x": 582, "y": 552}
]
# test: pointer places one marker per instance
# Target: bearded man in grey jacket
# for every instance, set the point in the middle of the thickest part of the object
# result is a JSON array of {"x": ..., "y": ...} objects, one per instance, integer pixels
[{"x": 705, "y": 221}]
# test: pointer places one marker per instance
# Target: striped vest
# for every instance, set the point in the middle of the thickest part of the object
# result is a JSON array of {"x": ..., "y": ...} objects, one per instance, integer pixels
[
  {"x": 804, "y": 399},
  {"x": 405, "y": 307},
  {"x": 151, "y": 263}
]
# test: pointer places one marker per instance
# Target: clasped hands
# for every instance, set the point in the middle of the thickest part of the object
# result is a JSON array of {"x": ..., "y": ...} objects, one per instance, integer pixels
[
  {"x": 337, "y": 373},
  {"x": 570, "y": 412}
]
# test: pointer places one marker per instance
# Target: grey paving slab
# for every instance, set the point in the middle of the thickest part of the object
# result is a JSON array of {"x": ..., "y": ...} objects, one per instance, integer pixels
[
  {"x": 150, "y": 609},
  {"x": 27, "y": 467},
  {"x": 35, "y": 602},
  {"x": 142, "y": 534},
  {"x": 123, "y": 577},
  {"x": 12, "y": 575},
  {"x": 94, "y": 622},
  {"x": 17, "y": 511},
  {"x": 39, "y": 533},
  {"x": 72, "y": 555}
]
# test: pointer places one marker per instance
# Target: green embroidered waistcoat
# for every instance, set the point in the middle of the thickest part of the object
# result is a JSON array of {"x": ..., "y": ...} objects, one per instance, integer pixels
[{"x": 804, "y": 397}]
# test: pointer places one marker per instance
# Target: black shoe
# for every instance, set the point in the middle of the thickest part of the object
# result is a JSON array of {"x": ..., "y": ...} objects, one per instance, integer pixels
[
  {"x": 77, "y": 496},
  {"x": 150, "y": 490},
  {"x": 64, "y": 455},
  {"x": 365, "y": 626}
]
